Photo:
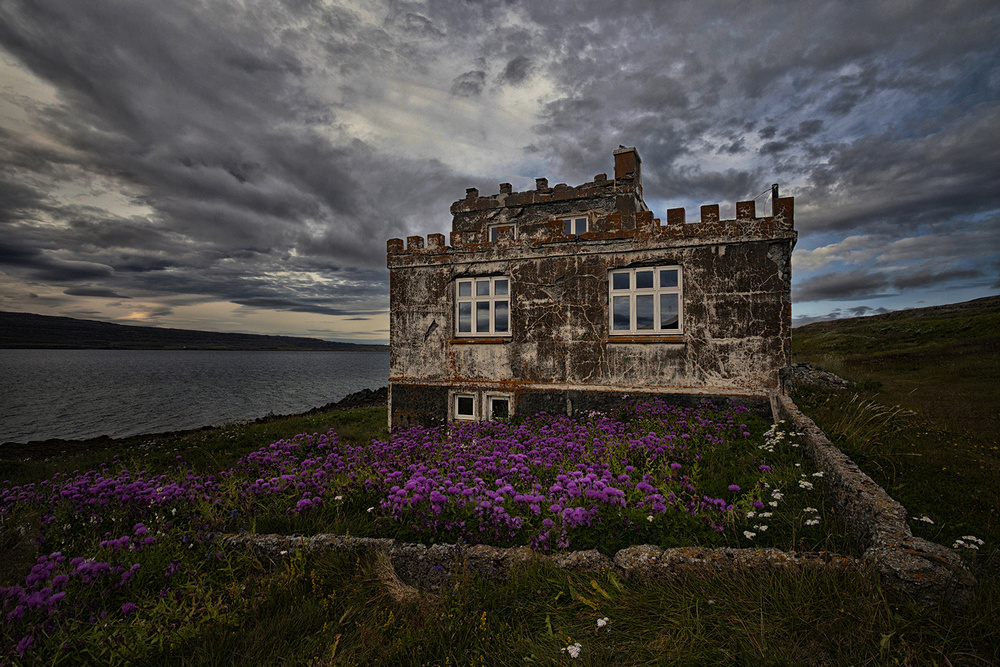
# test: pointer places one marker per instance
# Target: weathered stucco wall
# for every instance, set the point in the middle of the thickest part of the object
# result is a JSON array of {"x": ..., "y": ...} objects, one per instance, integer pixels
[{"x": 736, "y": 313}]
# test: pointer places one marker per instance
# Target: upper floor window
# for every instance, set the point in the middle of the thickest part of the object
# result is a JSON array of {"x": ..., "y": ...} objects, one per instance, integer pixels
[
  {"x": 646, "y": 300},
  {"x": 482, "y": 306},
  {"x": 493, "y": 231},
  {"x": 577, "y": 225}
]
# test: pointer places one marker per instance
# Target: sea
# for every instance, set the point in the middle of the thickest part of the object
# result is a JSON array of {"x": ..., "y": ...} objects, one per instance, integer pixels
[{"x": 81, "y": 394}]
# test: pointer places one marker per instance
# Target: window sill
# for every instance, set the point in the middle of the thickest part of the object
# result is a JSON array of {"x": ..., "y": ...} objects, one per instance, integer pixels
[
  {"x": 670, "y": 338},
  {"x": 481, "y": 340}
]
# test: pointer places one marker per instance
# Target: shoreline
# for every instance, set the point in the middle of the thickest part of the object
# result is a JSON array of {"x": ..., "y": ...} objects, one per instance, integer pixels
[{"x": 37, "y": 449}]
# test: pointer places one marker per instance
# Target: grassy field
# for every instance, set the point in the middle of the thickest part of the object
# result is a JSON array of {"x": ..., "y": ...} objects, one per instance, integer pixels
[{"x": 343, "y": 609}]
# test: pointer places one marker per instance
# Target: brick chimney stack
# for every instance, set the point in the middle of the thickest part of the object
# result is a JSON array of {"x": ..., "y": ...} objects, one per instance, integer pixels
[{"x": 627, "y": 163}]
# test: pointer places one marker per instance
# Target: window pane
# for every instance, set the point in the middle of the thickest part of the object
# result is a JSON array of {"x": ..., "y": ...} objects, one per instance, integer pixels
[
  {"x": 500, "y": 316},
  {"x": 622, "y": 316},
  {"x": 500, "y": 286},
  {"x": 668, "y": 278},
  {"x": 567, "y": 226},
  {"x": 465, "y": 317},
  {"x": 620, "y": 280},
  {"x": 465, "y": 288},
  {"x": 482, "y": 288},
  {"x": 668, "y": 312},
  {"x": 493, "y": 233},
  {"x": 581, "y": 225},
  {"x": 482, "y": 316},
  {"x": 644, "y": 312},
  {"x": 499, "y": 408},
  {"x": 644, "y": 280},
  {"x": 466, "y": 406}
]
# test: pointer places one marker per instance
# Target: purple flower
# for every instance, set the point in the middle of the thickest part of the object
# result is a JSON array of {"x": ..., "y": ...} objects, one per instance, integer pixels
[
  {"x": 24, "y": 644},
  {"x": 733, "y": 487},
  {"x": 765, "y": 468},
  {"x": 129, "y": 608}
]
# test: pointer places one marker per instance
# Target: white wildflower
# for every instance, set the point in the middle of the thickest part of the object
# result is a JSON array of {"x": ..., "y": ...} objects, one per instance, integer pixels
[
  {"x": 601, "y": 622},
  {"x": 926, "y": 519},
  {"x": 812, "y": 522},
  {"x": 370, "y": 509},
  {"x": 751, "y": 514},
  {"x": 773, "y": 503},
  {"x": 765, "y": 515},
  {"x": 573, "y": 650},
  {"x": 968, "y": 542},
  {"x": 338, "y": 497},
  {"x": 811, "y": 510},
  {"x": 817, "y": 474},
  {"x": 749, "y": 535},
  {"x": 649, "y": 518},
  {"x": 805, "y": 485}
]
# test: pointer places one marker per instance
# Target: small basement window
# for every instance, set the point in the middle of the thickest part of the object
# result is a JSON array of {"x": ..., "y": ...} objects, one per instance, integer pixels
[
  {"x": 465, "y": 406},
  {"x": 499, "y": 407}
]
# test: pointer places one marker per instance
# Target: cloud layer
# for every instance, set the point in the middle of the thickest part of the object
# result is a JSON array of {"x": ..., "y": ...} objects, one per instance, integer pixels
[{"x": 159, "y": 161}]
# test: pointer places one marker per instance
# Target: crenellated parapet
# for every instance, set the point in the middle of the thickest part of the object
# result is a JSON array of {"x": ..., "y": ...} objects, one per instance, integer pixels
[{"x": 639, "y": 226}]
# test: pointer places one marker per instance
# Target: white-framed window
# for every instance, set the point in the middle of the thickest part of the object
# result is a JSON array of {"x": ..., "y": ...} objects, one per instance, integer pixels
[
  {"x": 645, "y": 300},
  {"x": 493, "y": 231},
  {"x": 476, "y": 405},
  {"x": 464, "y": 406},
  {"x": 482, "y": 306},
  {"x": 575, "y": 225},
  {"x": 498, "y": 406}
]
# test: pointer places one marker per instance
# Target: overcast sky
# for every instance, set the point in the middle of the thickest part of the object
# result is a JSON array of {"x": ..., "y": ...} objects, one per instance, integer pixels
[{"x": 238, "y": 166}]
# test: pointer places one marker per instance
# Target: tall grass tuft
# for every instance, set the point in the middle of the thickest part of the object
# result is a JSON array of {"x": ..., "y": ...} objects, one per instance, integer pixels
[{"x": 862, "y": 423}]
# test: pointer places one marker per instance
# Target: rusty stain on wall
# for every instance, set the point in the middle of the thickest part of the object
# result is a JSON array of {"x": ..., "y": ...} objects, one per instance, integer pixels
[{"x": 559, "y": 354}]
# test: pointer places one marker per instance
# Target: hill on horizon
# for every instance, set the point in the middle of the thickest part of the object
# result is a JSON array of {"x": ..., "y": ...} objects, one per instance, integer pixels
[
  {"x": 942, "y": 361},
  {"x": 27, "y": 330}
]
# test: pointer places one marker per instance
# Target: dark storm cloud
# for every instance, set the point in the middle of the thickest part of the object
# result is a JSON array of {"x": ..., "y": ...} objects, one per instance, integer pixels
[
  {"x": 94, "y": 291},
  {"x": 234, "y": 126},
  {"x": 840, "y": 286},
  {"x": 206, "y": 115},
  {"x": 469, "y": 84},
  {"x": 517, "y": 71}
]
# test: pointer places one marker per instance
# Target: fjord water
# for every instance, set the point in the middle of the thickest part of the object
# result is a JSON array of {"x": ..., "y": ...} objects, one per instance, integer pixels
[{"x": 79, "y": 394}]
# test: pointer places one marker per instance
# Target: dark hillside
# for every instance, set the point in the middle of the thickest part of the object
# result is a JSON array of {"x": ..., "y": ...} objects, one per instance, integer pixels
[
  {"x": 25, "y": 330},
  {"x": 942, "y": 361}
]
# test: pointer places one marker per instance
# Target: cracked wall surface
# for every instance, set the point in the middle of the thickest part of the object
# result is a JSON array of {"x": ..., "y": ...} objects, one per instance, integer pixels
[{"x": 736, "y": 299}]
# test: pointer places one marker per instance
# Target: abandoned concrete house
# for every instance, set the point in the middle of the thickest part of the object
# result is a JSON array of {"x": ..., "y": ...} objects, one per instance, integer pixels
[{"x": 562, "y": 299}]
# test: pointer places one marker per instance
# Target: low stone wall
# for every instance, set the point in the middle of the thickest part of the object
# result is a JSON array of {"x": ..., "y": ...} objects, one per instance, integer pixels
[
  {"x": 929, "y": 572},
  {"x": 429, "y": 567}
]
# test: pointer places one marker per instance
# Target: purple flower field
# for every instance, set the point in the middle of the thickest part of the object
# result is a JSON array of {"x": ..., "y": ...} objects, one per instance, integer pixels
[{"x": 115, "y": 543}]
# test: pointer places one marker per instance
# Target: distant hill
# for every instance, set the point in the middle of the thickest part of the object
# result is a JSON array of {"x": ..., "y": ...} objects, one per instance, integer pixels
[
  {"x": 25, "y": 330},
  {"x": 975, "y": 322},
  {"x": 943, "y": 361}
]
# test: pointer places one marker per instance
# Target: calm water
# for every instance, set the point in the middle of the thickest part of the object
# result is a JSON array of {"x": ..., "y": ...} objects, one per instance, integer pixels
[{"x": 78, "y": 394}]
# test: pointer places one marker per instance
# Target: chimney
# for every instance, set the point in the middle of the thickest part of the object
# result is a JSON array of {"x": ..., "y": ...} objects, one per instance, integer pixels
[{"x": 627, "y": 163}]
